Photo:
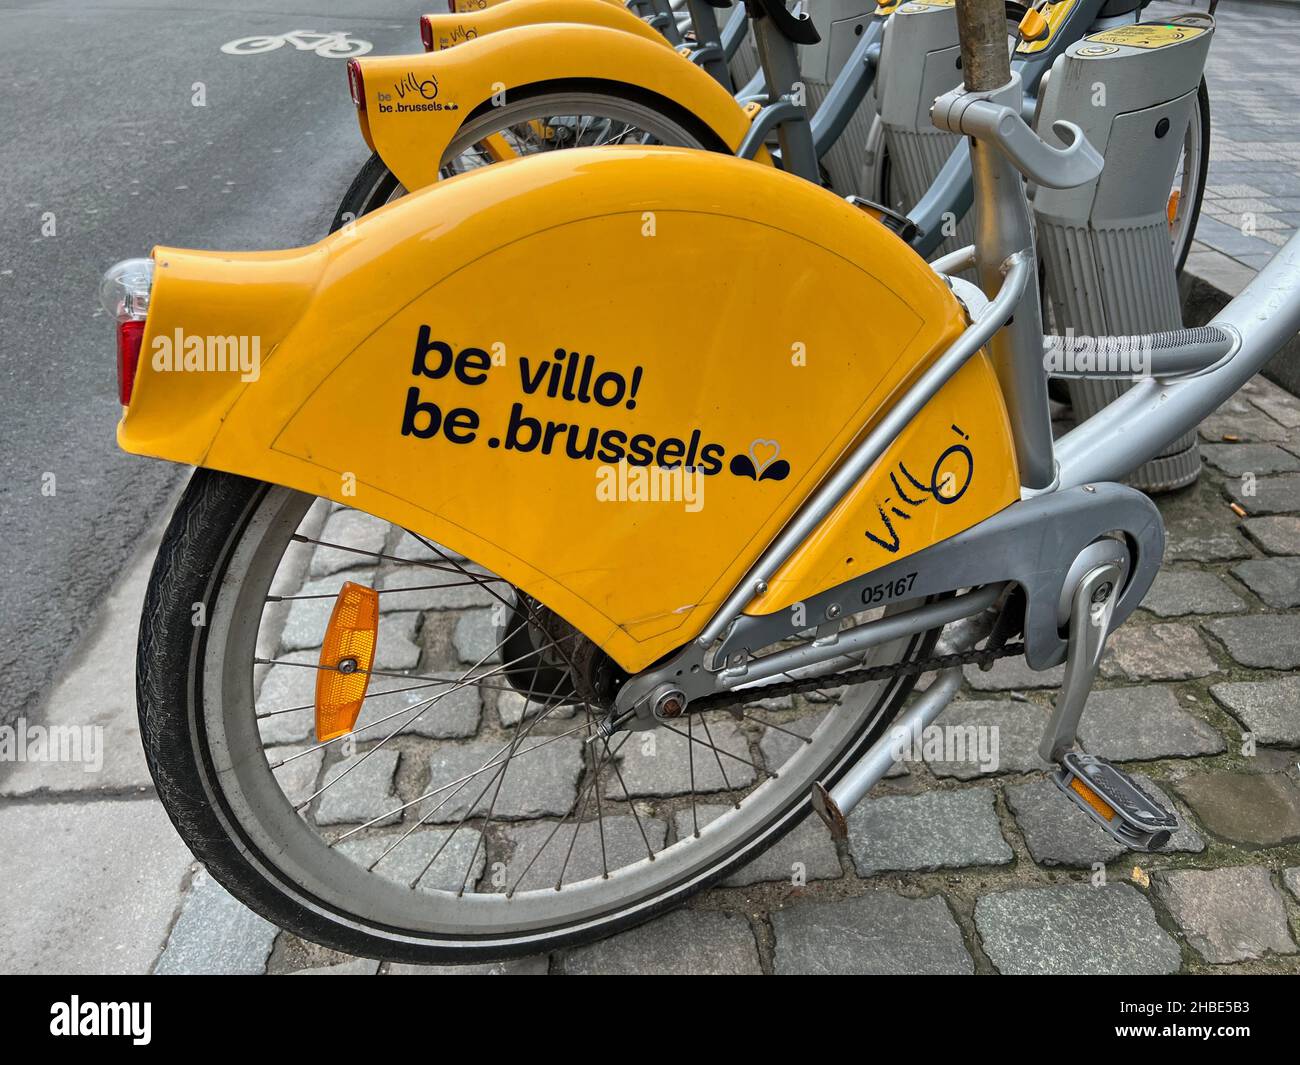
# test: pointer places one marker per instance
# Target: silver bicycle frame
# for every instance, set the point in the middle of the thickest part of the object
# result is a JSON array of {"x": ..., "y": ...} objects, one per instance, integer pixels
[
  {"x": 1108, "y": 445},
  {"x": 1157, "y": 410},
  {"x": 1199, "y": 370}
]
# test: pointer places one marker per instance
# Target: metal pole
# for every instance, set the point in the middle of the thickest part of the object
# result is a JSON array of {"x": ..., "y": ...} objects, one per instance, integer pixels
[
  {"x": 1003, "y": 228},
  {"x": 982, "y": 26}
]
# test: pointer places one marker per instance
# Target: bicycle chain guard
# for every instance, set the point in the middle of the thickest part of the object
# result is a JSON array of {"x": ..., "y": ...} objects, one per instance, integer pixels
[{"x": 1033, "y": 544}]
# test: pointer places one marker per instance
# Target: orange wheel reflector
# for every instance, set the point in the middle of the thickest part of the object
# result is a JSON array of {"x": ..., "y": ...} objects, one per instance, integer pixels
[
  {"x": 1171, "y": 209},
  {"x": 1093, "y": 799},
  {"x": 345, "y": 659}
]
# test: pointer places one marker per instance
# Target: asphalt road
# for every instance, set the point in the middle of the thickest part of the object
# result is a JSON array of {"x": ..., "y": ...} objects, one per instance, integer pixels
[{"x": 103, "y": 154}]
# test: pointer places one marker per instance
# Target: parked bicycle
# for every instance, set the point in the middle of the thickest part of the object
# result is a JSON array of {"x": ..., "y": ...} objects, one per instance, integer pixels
[{"x": 543, "y": 706}]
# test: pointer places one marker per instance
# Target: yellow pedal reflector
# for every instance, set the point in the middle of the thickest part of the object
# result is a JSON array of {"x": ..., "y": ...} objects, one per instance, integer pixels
[
  {"x": 1033, "y": 26},
  {"x": 1171, "y": 208},
  {"x": 345, "y": 659},
  {"x": 1093, "y": 799}
]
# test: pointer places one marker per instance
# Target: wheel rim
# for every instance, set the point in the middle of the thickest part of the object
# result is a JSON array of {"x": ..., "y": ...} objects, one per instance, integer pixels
[
  {"x": 316, "y": 863},
  {"x": 591, "y": 119},
  {"x": 1186, "y": 178}
]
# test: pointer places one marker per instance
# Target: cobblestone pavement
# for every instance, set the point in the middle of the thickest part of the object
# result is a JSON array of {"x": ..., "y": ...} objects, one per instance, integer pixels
[{"x": 953, "y": 864}]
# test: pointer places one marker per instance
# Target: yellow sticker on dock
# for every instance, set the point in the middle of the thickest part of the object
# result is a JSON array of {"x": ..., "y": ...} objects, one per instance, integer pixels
[{"x": 1148, "y": 35}]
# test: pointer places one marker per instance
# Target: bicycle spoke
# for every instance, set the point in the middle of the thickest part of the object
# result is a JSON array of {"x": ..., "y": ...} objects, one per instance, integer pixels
[
  {"x": 443, "y": 555},
  {"x": 622, "y": 135},
  {"x": 416, "y": 712},
  {"x": 555, "y": 831},
  {"x": 458, "y": 783},
  {"x": 381, "y": 556},
  {"x": 456, "y": 686},
  {"x": 469, "y": 682},
  {"x": 500, "y": 780},
  {"x": 377, "y": 591},
  {"x": 465, "y": 681},
  {"x": 369, "y": 694},
  {"x": 717, "y": 753},
  {"x": 460, "y": 786},
  {"x": 414, "y": 676},
  {"x": 600, "y": 813},
  {"x": 631, "y": 804},
  {"x": 690, "y": 757},
  {"x": 459, "y": 824},
  {"x": 778, "y": 728}
]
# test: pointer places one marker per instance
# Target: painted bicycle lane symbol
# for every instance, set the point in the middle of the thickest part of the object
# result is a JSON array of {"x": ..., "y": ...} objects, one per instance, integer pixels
[{"x": 335, "y": 45}]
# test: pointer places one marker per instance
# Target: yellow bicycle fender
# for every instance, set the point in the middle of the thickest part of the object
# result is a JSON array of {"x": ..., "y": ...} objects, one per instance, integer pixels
[
  {"x": 518, "y": 362},
  {"x": 468, "y": 7},
  {"x": 915, "y": 495},
  {"x": 415, "y": 104},
  {"x": 448, "y": 30}
]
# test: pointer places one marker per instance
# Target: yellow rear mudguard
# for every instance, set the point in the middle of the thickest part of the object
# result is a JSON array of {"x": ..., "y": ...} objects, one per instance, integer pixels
[
  {"x": 499, "y": 361},
  {"x": 416, "y": 104},
  {"x": 447, "y": 30},
  {"x": 469, "y": 7}
]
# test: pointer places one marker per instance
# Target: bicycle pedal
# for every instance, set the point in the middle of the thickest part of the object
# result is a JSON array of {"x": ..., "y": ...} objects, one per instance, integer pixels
[{"x": 1111, "y": 798}]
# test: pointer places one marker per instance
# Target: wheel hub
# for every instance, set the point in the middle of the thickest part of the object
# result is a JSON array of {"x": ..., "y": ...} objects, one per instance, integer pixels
[{"x": 550, "y": 662}]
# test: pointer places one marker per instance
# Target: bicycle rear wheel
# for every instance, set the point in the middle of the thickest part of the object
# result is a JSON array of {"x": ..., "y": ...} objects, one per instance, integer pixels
[{"x": 470, "y": 814}]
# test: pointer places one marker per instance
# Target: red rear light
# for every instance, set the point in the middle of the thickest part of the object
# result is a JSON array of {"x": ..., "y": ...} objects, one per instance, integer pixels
[
  {"x": 426, "y": 33},
  {"x": 124, "y": 293},
  {"x": 130, "y": 335},
  {"x": 356, "y": 86}
]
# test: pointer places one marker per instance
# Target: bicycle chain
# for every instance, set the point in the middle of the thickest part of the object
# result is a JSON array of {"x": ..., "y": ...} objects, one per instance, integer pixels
[{"x": 724, "y": 700}]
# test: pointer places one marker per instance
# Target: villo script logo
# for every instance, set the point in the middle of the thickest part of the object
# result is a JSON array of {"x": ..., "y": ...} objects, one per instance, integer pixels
[
  {"x": 133, "y": 1019},
  {"x": 426, "y": 87}
]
